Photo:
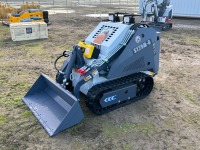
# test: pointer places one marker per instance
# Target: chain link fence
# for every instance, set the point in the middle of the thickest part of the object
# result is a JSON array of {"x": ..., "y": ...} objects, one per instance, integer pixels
[
  {"x": 108, "y": 2},
  {"x": 131, "y": 3}
]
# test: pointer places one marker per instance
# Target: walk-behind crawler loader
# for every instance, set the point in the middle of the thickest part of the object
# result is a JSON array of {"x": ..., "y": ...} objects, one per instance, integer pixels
[{"x": 114, "y": 66}]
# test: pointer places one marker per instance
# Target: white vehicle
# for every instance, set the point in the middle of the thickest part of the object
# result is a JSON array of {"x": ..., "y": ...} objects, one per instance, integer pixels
[{"x": 156, "y": 13}]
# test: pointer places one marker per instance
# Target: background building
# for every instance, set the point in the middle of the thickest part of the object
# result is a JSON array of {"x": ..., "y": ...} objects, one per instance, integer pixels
[{"x": 186, "y": 8}]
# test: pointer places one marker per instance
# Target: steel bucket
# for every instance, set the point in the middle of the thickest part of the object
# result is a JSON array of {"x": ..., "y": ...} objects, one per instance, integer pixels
[{"x": 55, "y": 108}]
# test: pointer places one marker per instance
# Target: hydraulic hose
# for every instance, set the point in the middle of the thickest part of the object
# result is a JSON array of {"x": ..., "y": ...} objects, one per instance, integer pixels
[{"x": 64, "y": 54}]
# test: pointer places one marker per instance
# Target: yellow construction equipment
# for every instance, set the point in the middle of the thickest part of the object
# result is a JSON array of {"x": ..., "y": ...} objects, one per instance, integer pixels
[
  {"x": 30, "y": 15},
  {"x": 28, "y": 12}
]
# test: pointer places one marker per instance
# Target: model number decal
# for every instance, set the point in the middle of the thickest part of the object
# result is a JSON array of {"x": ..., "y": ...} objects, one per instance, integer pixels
[
  {"x": 142, "y": 46},
  {"x": 111, "y": 98}
]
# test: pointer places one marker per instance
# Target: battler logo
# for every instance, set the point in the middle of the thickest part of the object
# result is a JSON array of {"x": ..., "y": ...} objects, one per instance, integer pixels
[
  {"x": 142, "y": 46},
  {"x": 112, "y": 98}
]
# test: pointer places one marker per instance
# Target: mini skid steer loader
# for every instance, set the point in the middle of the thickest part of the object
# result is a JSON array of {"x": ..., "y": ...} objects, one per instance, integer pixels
[{"x": 114, "y": 66}]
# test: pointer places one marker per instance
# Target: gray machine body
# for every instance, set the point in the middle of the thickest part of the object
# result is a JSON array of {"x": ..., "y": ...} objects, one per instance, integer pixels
[
  {"x": 127, "y": 49},
  {"x": 140, "y": 54}
]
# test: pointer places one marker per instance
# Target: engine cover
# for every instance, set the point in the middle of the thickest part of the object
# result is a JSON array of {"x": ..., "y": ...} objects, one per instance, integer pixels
[{"x": 115, "y": 33}]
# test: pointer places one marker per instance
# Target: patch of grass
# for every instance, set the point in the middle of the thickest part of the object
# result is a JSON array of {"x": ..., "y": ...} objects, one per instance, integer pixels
[
  {"x": 192, "y": 118},
  {"x": 112, "y": 130},
  {"x": 77, "y": 144},
  {"x": 193, "y": 40},
  {"x": 168, "y": 122},
  {"x": 21, "y": 86},
  {"x": 3, "y": 99},
  {"x": 3, "y": 31},
  {"x": 10, "y": 100},
  {"x": 1, "y": 81},
  {"x": 171, "y": 35},
  {"x": 2, "y": 53},
  {"x": 17, "y": 99},
  {"x": 63, "y": 46},
  {"x": 5, "y": 65},
  {"x": 73, "y": 130},
  {"x": 127, "y": 147},
  {"x": 192, "y": 99},
  {"x": 3, "y": 119},
  {"x": 167, "y": 34},
  {"x": 146, "y": 128},
  {"x": 187, "y": 38},
  {"x": 34, "y": 50},
  {"x": 26, "y": 114}
]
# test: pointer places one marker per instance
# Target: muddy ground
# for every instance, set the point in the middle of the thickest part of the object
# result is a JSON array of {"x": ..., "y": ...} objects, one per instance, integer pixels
[{"x": 167, "y": 119}]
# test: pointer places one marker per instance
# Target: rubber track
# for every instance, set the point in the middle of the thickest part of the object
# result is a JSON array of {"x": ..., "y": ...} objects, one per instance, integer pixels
[{"x": 96, "y": 91}]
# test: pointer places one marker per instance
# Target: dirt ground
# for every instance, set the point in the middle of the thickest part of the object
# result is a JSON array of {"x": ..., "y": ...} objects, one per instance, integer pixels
[{"x": 167, "y": 119}]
